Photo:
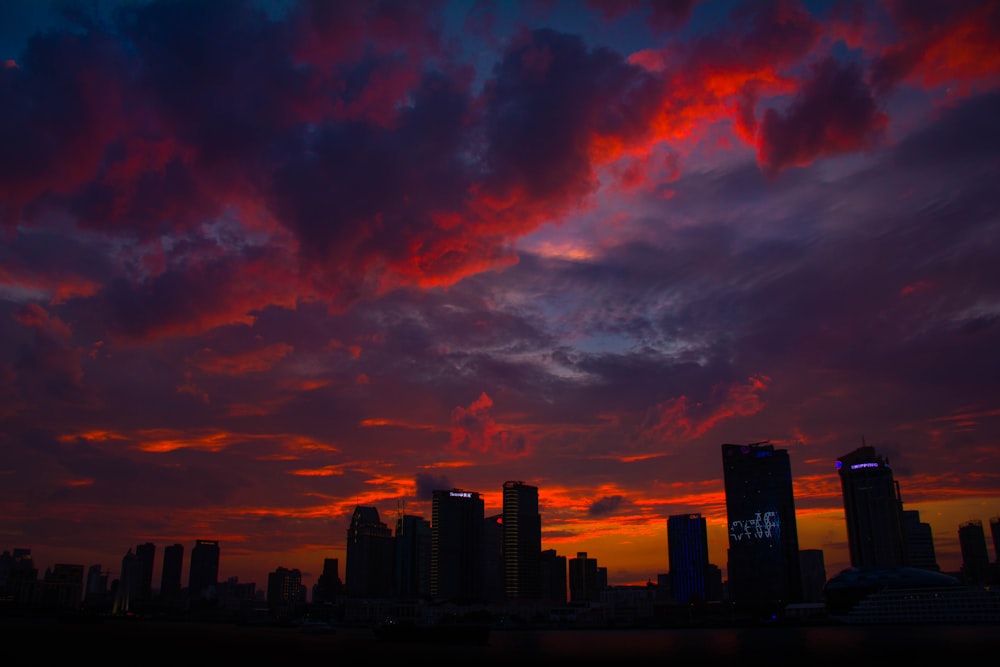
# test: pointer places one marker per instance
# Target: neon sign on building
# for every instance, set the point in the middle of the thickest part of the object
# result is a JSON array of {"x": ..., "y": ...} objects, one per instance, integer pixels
[{"x": 764, "y": 525}]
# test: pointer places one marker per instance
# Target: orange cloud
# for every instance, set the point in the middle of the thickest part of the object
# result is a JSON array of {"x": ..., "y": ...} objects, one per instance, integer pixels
[
  {"x": 253, "y": 361},
  {"x": 678, "y": 420}
]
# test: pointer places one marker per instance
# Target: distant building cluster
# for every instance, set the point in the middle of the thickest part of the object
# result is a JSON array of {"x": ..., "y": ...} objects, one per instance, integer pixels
[{"x": 463, "y": 559}]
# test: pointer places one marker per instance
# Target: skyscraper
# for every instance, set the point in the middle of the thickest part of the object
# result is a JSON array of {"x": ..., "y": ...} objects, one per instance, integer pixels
[
  {"x": 145, "y": 554},
  {"x": 764, "y": 570},
  {"x": 369, "y": 555},
  {"x": 975, "y": 557},
  {"x": 522, "y": 541},
  {"x": 872, "y": 509},
  {"x": 328, "y": 586},
  {"x": 128, "y": 585},
  {"x": 553, "y": 577},
  {"x": 586, "y": 579},
  {"x": 995, "y": 531},
  {"x": 203, "y": 576},
  {"x": 456, "y": 546},
  {"x": 919, "y": 542},
  {"x": 173, "y": 566},
  {"x": 412, "y": 560},
  {"x": 687, "y": 550}
]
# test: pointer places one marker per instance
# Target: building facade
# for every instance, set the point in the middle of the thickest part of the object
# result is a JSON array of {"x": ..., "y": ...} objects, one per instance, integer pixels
[
  {"x": 412, "y": 561},
  {"x": 873, "y": 510},
  {"x": 763, "y": 563},
  {"x": 522, "y": 542},
  {"x": 203, "y": 575},
  {"x": 457, "y": 518},
  {"x": 369, "y": 555},
  {"x": 687, "y": 551}
]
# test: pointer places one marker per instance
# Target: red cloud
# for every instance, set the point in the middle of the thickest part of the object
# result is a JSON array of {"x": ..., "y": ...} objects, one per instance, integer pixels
[
  {"x": 253, "y": 361},
  {"x": 678, "y": 420},
  {"x": 473, "y": 428}
]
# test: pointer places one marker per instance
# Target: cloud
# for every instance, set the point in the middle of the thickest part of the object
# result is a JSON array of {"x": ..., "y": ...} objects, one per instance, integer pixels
[
  {"x": 473, "y": 429},
  {"x": 833, "y": 112}
]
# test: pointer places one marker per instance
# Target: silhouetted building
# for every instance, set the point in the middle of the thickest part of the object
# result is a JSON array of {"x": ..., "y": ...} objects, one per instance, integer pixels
[
  {"x": 522, "y": 542},
  {"x": 873, "y": 510},
  {"x": 457, "y": 546},
  {"x": 285, "y": 591},
  {"x": 553, "y": 578},
  {"x": 919, "y": 542},
  {"x": 714, "y": 589},
  {"x": 328, "y": 586},
  {"x": 412, "y": 561},
  {"x": 975, "y": 558},
  {"x": 995, "y": 531},
  {"x": 586, "y": 579},
  {"x": 173, "y": 567},
  {"x": 763, "y": 568},
  {"x": 203, "y": 576},
  {"x": 369, "y": 555},
  {"x": 493, "y": 576},
  {"x": 17, "y": 572},
  {"x": 127, "y": 593},
  {"x": 145, "y": 554},
  {"x": 96, "y": 589},
  {"x": 687, "y": 550},
  {"x": 813, "y": 574}
]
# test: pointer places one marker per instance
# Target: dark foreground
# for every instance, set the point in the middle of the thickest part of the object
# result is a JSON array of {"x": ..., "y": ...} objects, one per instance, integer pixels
[{"x": 50, "y": 642}]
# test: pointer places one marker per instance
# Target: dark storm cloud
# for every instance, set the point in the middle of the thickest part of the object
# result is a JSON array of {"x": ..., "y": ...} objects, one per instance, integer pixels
[
  {"x": 605, "y": 506},
  {"x": 834, "y": 112},
  {"x": 427, "y": 484}
]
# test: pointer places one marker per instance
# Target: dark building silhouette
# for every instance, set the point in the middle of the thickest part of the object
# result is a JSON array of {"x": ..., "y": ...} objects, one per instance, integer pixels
[
  {"x": 586, "y": 579},
  {"x": 687, "y": 551},
  {"x": 17, "y": 572},
  {"x": 975, "y": 558},
  {"x": 715, "y": 590},
  {"x": 873, "y": 510},
  {"x": 493, "y": 576},
  {"x": 763, "y": 568},
  {"x": 412, "y": 561},
  {"x": 813, "y": 569},
  {"x": 96, "y": 588},
  {"x": 522, "y": 542},
  {"x": 457, "y": 546},
  {"x": 127, "y": 593},
  {"x": 919, "y": 542},
  {"x": 285, "y": 592},
  {"x": 995, "y": 531},
  {"x": 553, "y": 577},
  {"x": 145, "y": 555},
  {"x": 173, "y": 567},
  {"x": 369, "y": 555},
  {"x": 328, "y": 586},
  {"x": 203, "y": 575}
]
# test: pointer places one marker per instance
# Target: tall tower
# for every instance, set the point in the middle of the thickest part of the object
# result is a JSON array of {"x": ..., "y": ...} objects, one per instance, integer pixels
[
  {"x": 145, "y": 554},
  {"x": 873, "y": 510},
  {"x": 919, "y": 542},
  {"x": 412, "y": 560},
  {"x": 764, "y": 570},
  {"x": 687, "y": 549},
  {"x": 203, "y": 576},
  {"x": 173, "y": 566},
  {"x": 128, "y": 585},
  {"x": 522, "y": 542},
  {"x": 457, "y": 546},
  {"x": 975, "y": 557},
  {"x": 369, "y": 555}
]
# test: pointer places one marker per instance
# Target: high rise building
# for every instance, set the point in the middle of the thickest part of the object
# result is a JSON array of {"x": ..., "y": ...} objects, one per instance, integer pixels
[
  {"x": 687, "y": 551},
  {"x": 173, "y": 567},
  {"x": 284, "y": 588},
  {"x": 975, "y": 558},
  {"x": 127, "y": 592},
  {"x": 493, "y": 590},
  {"x": 764, "y": 570},
  {"x": 457, "y": 546},
  {"x": 995, "y": 531},
  {"x": 553, "y": 579},
  {"x": 369, "y": 555},
  {"x": 586, "y": 579},
  {"x": 328, "y": 586},
  {"x": 813, "y": 574},
  {"x": 203, "y": 575},
  {"x": 522, "y": 542},
  {"x": 97, "y": 584},
  {"x": 145, "y": 554},
  {"x": 919, "y": 542},
  {"x": 412, "y": 561},
  {"x": 873, "y": 510}
]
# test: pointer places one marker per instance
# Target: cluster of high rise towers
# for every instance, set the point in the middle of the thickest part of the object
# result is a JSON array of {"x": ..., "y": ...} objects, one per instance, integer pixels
[{"x": 464, "y": 556}]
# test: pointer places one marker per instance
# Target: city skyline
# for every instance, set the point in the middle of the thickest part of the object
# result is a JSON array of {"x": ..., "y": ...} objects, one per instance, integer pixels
[{"x": 264, "y": 262}]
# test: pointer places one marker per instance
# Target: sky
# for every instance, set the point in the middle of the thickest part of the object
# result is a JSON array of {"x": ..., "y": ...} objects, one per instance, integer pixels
[{"x": 264, "y": 262}]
